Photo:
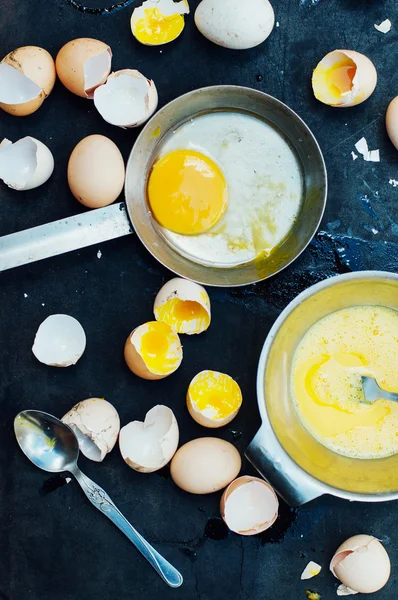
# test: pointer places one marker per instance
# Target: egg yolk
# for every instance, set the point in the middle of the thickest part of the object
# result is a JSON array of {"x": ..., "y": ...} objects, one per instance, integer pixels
[
  {"x": 332, "y": 83},
  {"x": 187, "y": 192},
  {"x": 214, "y": 394},
  {"x": 159, "y": 347},
  {"x": 156, "y": 28},
  {"x": 184, "y": 315}
]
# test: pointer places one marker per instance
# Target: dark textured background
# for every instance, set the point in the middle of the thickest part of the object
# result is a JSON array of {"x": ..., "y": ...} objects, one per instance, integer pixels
[{"x": 53, "y": 544}]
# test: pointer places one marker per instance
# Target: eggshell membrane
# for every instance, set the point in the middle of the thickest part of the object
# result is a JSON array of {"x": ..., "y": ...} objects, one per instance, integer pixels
[
  {"x": 96, "y": 171},
  {"x": 392, "y": 121},
  {"x": 205, "y": 465},
  {"x": 200, "y": 416},
  {"x": 60, "y": 341},
  {"x": 183, "y": 290},
  {"x": 363, "y": 83},
  {"x": 148, "y": 446},
  {"x": 268, "y": 502},
  {"x": 26, "y": 164},
  {"x": 97, "y": 420},
  {"x": 71, "y": 60},
  {"x": 136, "y": 362},
  {"x": 38, "y": 65},
  {"x": 362, "y": 564},
  {"x": 235, "y": 24}
]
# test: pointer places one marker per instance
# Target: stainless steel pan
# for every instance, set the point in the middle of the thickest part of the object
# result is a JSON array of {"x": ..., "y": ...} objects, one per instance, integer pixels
[{"x": 120, "y": 219}]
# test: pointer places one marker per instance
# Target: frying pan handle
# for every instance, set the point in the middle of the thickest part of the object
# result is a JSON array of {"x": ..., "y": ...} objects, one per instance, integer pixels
[
  {"x": 293, "y": 484},
  {"x": 63, "y": 236}
]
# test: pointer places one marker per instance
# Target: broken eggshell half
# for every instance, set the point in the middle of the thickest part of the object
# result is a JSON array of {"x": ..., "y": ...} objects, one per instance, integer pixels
[
  {"x": 96, "y": 425},
  {"x": 344, "y": 78},
  {"x": 27, "y": 76},
  {"x": 25, "y": 164},
  {"x": 158, "y": 22},
  {"x": 249, "y": 505},
  {"x": 149, "y": 445},
  {"x": 361, "y": 564},
  {"x": 60, "y": 341},
  {"x": 127, "y": 99},
  {"x": 184, "y": 305},
  {"x": 83, "y": 65}
]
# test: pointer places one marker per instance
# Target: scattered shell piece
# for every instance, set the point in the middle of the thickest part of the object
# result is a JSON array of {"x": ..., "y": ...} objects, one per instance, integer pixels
[
  {"x": 344, "y": 78},
  {"x": 362, "y": 564},
  {"x": 384, "y": 27},
  {"x": 83, "y": 65},
  {"x": 311, "y": 570},
  {"x": 25, "y": 164},
  {"x": 158, "y": 22},
  {"x": 148, "y": 446},
  {"x": 213, "y": 399},
  {"x": 68, "y": 479},
  {"x": 249, "y": 505},
  {"x": 343, "y": 590},
  {"x": 60, "y": 341},
  {"x": 99, "y": 254},
  {"x": 184, "y": 305},
  {"x": 127, "y": 99},
  {"x": 393, "y": 182},
  {"x": 96, "y": 425},
  {"x": 368, "y": 155},
  {"x": 354, "y": 156},
  {"x": 392, "y": 122},
  {"x": 27, "y": 77}
]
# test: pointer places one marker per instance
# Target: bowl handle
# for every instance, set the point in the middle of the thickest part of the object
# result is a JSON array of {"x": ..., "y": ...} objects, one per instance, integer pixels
[{"x": 293, "y": 484}]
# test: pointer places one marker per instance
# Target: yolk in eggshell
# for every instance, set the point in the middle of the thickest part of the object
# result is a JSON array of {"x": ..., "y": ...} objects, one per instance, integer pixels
[
  {"x": 158, "y": 348},
  {"x": 177, "y": 312},
  {"x": 216, "y": 394},
  {"x": 156, "y": 28},
  {"x": 337, "y": 80}
]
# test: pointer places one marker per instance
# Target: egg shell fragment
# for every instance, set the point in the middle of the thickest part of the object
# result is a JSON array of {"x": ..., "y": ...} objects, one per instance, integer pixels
[
  {"x": 392, "y": 121},
  {"x": 362, "y": 564},
  {"x": 27, "y": 77},
  {"x": 96, "y": 171},
  {"x": 184, "y": 291},
  {"x": 235, "y": 24},
  {"x": 127, "y": 99},
  {"x": 148, "y": 446},
  {"x": 96, "y": 425},
  {"x": 168, "y": 29},
  {"x": 60, "y": 341},
  {"x": 84, "y": 64},
  {"x": 363, "y": 83},
  {"x": 205, "y": 465},
  {"x": 25, "y": 164},
  {"x": 207, "y": 416},
  {"x": 311, "y": 570},
  {"x": 249, "y": 506}
]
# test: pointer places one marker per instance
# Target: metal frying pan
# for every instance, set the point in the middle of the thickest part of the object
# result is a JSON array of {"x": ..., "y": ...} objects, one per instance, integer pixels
[{"x": 120, "y": 219}]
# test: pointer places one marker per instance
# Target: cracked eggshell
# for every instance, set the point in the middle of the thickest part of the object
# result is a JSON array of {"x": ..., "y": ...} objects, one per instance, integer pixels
[
  {"x": 148, "y": 446},
  {"x": 60, "y": 341},
  {"x": 127, "y": 99},
  {"x": 362, "y": 86},
  {"x": 392, "y": 121},
  {"x": 235, "y": 24},
  {"x": 27, "y": 76},
  {"x": 83, "y": 65},
  {"x": 184, "y": 305},
  {"x": 205, "y": 465},
  {"x": 362, "y": 564},
  {"x": 158, "y": 22},
  {"x": 96, "y": 425},
  {"x": 311, "y": 570},
  {"x": 249, "y": 506},
  {"x": 25, "y": 164}
]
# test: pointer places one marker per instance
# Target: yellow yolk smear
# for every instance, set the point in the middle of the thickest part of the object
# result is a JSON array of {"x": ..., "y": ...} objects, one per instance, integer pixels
[
  {"x": 186, "y": 316},
  {"x": 215, "y": 395},
  {"x": 332, "y": 83},
  {"x": 187, "y": 192},
  {"x": 156, "y": 28},
  {"x": 327, "y": 387},
  {"x": 159, "y": 347}
]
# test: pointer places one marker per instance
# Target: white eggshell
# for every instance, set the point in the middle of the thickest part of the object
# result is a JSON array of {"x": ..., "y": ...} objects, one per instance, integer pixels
[
  {"x": 249, "y": 505},
  {"x": 26, "y": 164},
  {"x": 186, "y": 291},
  {"x": 60, "y": 341},
  {"x": 127, "y": 99},
  {"x": 205, "y": 465},
  {"x": 392, "y": 121},
  {"x": 96, "y": 424},
  {"x": 311, "y": 570},
  {"x": 235, "y": 24},
  {"x": 148, "y": 446},
  {"x": 362, "y": 564}
]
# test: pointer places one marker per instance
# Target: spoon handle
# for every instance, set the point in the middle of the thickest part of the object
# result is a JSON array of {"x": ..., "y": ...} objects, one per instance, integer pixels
[{"x": 101, "y": 500}]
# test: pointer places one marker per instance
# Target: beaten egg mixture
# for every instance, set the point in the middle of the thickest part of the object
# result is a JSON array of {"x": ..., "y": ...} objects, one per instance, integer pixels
[{"x": 327, "y": 387}]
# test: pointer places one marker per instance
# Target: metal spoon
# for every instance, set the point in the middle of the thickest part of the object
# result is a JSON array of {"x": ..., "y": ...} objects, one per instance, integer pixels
[
  {"x": 372, "y": 391},
  {"x": 52, "y": 446}
]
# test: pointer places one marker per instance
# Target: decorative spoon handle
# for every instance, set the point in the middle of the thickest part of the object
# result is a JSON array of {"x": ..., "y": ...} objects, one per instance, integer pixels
[{"x": 101, "y": 500}]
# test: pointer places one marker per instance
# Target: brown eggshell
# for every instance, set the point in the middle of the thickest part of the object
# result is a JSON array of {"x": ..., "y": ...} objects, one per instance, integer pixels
[
  {"x": 136, "y": 363},
  {"x": 392, "y": 122},
  {"x": 71, "y": 59}
]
